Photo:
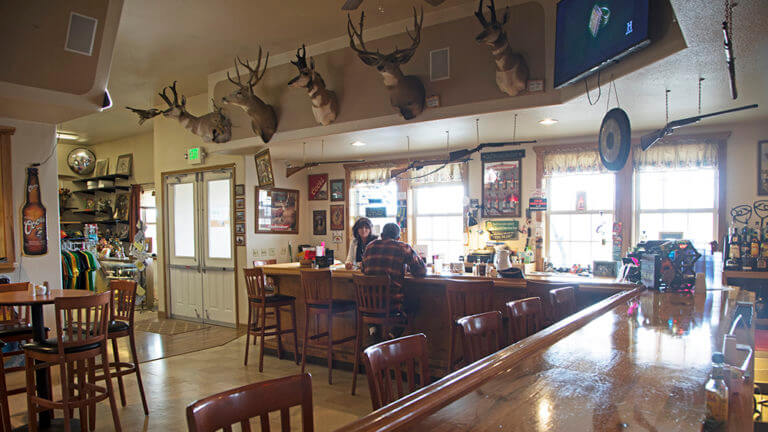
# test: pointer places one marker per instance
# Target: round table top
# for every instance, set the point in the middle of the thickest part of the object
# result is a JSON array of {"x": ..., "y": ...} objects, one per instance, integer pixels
[{"x": 13, "y": 298}]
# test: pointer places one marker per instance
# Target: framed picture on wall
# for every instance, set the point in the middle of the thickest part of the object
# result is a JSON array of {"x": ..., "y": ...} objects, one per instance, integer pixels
[
  {"x": 318, "y": 187},
  {"x": 102, "y": 167},
  {"x": 240, "y": 216},
  {"x": 239, "y": 190},
  {"x": 337, "y": 190},
  {"x": 239, "y": 240},
  {"x": 240, "y": 228},
  {"x": 319, "y": 225},
  {"x": 264, "y": 169},
  {"x": 124, "y": 164},
  {"x": 502, "y": 184},
  {"x": 240, "y": 203},
  {"x": 762, "y": 167},
  {"x": 277, "y": 211},
  {"x": 337, "y": 217}
]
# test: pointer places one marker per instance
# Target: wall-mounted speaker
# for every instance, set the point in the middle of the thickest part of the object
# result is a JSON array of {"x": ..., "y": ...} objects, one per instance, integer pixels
[
  {"x": 439, "y": 64},
  {"x": 81, "y": 34}
]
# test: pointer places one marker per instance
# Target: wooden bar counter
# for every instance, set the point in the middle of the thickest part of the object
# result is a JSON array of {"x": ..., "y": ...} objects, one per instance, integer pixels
[
  {"x": 425, "y": 297},
  {"x": 635, "y": 361}
]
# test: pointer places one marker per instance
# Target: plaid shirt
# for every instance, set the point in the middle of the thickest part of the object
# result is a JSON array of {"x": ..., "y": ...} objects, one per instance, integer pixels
[{"x": 390, "y": 257}]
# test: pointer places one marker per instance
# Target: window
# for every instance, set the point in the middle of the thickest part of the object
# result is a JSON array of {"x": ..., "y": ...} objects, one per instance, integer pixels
[
  {"x": 376, "y": 201},
  {"x": 580, "y": 218},
  {"x": 438, "y": 215},
  {"x": 219, "y": 223},
  {"x": 676, "y": 203},
  {"x": 149, "y": 217}
]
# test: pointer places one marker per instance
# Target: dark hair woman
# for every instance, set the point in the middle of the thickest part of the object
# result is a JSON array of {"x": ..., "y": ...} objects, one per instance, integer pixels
[{"x": 362, "y": 231}]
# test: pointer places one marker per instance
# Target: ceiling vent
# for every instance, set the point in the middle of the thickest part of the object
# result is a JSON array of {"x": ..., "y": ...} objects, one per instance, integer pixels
[
  {"x": 439, "y": 64},
  {"x": 81, "y": 34}
]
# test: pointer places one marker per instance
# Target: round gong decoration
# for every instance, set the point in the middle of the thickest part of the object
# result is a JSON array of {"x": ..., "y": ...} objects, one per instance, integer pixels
[
  {"x": 614, "y": 140},
  {"x": 81, "y": 161}
]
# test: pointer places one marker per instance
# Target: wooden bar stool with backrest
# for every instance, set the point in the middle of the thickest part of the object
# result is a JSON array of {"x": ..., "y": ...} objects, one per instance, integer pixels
[
  {"x": 481, "y": 334},
  {"x": 239, "y": 405},
  {"x": 525, "y": 318},
  {"x": 465, "y": 297},
  {"x": 563, "y": 302},
  {"x": 384, "y": 365},
  {"x": 318, "y": 300},
  {"x": 541, "y": 290},
  {"x": 81, "y": 336},
  {"x": 374, "y": 306},
  {"x": 259, "y": 301}
]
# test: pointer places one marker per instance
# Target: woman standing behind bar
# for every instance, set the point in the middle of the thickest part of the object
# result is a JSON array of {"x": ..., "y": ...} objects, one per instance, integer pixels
[{"x": 362, "y": 232}]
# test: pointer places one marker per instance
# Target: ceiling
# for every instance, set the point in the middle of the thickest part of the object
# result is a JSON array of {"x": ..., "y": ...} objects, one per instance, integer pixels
[{"x": 150, "y": 53}]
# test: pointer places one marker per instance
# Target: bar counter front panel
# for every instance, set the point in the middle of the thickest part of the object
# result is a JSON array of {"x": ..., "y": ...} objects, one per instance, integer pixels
[{"x": 426, "y": 301}]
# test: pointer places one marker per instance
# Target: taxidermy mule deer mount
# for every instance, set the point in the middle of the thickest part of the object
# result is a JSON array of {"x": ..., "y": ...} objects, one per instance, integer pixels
[
  {"x": 211, "y": 127},
  {"x": 263, "y": 117},
  {"x": 325, "y": 104},
  {"x": 406, "y": 92},
  {"x": 511, "y": 69}
]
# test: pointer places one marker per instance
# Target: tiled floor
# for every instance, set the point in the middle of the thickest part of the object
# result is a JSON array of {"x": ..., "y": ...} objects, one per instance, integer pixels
[{"x": 172, "y": 383}]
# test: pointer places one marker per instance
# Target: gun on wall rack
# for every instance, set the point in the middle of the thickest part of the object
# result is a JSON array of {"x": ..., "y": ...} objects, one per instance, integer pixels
[{"x": 291, "y": 170}]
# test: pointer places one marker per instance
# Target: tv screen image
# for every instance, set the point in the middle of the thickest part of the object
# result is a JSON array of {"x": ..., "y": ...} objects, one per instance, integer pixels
[{"x": 591, "y": 33}]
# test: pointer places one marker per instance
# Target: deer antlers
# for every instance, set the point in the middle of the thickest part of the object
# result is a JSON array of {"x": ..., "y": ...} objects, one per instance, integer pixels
[
  {"x": 145, "y": 115},
  {"x": 492, "y": 7},
  {"x": 399, "y": 55},
  {"x": 254, "y": 74},
  {"x": 301, "y": 58}
]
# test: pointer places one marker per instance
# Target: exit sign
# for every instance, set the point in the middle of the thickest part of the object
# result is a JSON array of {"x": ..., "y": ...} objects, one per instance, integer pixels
[{"x": 195, "y": 155}]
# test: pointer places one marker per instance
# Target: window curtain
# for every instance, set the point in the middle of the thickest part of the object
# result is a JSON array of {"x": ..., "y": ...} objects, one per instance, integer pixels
[
  {"x": 370, "y": 175},
  {"x": 677, "y": 155},
  {"x": 452, "y": 173},
  {"x": 134, "y": 211},
  {"x": 573, "y": 161}
]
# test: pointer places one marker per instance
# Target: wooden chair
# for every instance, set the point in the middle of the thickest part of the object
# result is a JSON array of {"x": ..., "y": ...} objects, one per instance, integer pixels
[
  {"x": 541, "y": 290},
  {"x": 239, "y": 405},
  {"x": 563, "y": 302},
  {"x": 481, "y": 334},
  {"x": 384, "y": 362},
  {"x": 122, "y": 305},
  {"x": 81, "y": 336},
  {"x": 465, "y": 297},
  {"x": 375, "y": 305},
  {"x": 271, "y": 285},
  {"x": 318, "y": 300},
  {"x": 525, "y": 318},
  {"x": 259, "y": 301}
]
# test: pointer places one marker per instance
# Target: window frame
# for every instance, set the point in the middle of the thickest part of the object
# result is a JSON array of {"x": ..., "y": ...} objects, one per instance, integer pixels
[
  {"x": 412, "y": 204},
  {"x": 142, "y": 213}
]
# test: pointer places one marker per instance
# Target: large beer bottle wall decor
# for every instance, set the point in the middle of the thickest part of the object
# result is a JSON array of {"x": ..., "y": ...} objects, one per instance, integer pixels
[{"x": 33, "y": 221}]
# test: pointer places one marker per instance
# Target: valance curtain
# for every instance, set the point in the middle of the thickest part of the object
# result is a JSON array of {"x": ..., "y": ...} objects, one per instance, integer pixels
[
  {"x": 452, "y": 173},
  {"x": 574, "y": 161},
  {"x": 677, "y": 155},
  {"x": 370, "y": 175}
]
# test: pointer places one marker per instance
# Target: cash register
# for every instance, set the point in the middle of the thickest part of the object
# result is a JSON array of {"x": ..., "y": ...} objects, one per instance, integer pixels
[{"x": 484, "y": 255}]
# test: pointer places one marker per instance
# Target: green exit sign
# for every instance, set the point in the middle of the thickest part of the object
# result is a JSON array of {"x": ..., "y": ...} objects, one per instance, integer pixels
[{"x": 195, "y": 155}]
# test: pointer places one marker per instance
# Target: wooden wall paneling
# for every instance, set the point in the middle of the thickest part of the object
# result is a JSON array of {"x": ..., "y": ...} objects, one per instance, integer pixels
[{"x": 7, "y": 249}]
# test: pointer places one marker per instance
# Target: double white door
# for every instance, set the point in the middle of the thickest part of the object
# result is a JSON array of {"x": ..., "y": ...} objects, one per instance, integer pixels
[{"x": 201, "y": 251}]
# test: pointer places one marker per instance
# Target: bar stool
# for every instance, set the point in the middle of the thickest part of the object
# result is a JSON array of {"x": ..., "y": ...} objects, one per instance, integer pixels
[
  {"x": 374, "y": 306},
  {"x": 541, "y": 290},
  {"x": 465, "y": 297},
  {"x": 318, "y": 300},
  {"x": 384, "y": 365},
  {"x": 481, "y": 334},
  {"x": 74, "y": 350},
  {"x": 525, "y": 318},
  {"x": 563, "y": 302},
  {"x": 239, "y": 405},
  {"x": 258, "y": 302},
  {"x": 122, "y": 305}
]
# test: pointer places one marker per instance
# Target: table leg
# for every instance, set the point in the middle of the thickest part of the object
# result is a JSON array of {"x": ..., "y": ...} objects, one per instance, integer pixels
[{"x": 38, "y": 329}]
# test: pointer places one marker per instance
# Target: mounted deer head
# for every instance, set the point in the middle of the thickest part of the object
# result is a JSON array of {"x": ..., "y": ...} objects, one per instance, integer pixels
[
  {"x": 406, "y": 92},
  {"x": 325, "y": 104},
  {"x": 263, "y": 118},
  {"x": 511, "y": 69},
  {"x": 211, "y": 127}
]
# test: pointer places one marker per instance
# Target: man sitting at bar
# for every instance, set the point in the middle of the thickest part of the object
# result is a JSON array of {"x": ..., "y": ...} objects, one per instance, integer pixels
[{"x": 391, "y": 256}]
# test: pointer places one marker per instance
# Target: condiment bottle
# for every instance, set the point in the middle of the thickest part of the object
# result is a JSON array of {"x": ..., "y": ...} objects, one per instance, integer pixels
[{"x": 717, "y": 391}]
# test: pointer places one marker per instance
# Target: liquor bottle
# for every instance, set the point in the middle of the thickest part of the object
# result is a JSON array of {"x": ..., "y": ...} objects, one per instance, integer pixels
[
  {"x": 734, "y": 253},
  {"x": 744, "y": 252},
  {"x": 717, "y": 391},
  {"x": 33, "y": 221},
  {"x": 762, "y": 262}
]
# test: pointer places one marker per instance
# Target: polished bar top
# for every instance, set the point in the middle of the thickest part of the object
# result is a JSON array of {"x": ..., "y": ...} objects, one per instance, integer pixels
[{"x": 635, "y": 361}]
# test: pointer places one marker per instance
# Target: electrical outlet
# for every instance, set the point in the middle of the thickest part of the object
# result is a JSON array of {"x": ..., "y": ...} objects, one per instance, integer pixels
[
  {"x": 255, "y": 253},
  {"x": 264, "y": 253},
  {"x": 272, "y": 252},
  {"x": 283, "y": 252}
]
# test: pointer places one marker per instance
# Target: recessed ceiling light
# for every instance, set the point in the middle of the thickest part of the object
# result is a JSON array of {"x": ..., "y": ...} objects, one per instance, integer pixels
[
  {"x": 548, "y": 121},
  {"x": 358, "y": 144},
  {"x": 66, "y": 136}
]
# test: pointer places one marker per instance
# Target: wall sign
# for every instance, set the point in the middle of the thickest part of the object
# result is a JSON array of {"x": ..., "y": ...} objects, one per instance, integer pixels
[
  {"x": 375, "y": 212},
  {"x": 318, "y": 187},
  {"x": 537, "y": 204},
  {"x": 501, "y": 183},
  {"x": 502, "y": 230}
]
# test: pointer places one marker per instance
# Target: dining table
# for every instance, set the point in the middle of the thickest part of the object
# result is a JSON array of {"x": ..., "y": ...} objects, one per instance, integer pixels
[{"x": 36, "y": 303}]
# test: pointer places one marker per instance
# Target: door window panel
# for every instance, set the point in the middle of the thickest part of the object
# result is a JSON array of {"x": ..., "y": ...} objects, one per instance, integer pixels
[
  {"x": 184, "y": 220},
  {"x": 219, "y": 220}
]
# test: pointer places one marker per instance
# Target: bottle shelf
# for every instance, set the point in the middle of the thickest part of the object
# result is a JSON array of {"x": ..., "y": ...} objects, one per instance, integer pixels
[
  {"x": 104, "y": 177},
  {"x": 104, "y": 189}
]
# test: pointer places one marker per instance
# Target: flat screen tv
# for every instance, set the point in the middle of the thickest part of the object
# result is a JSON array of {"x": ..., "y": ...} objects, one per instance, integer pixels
[{"x": 593, "y": 33}]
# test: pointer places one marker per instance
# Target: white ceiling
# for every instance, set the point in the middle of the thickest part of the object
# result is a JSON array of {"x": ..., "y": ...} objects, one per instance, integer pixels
[{"x": 142, "y": 65}]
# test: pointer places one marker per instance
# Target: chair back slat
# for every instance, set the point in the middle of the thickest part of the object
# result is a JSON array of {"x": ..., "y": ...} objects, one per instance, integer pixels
[
  {"x": 468, "y": 297},
  {"x": 124, "y": 300},
  {"x": 14, "y": 314},
  {"x": 482, "y": 334},
  {"x": 374, "y": 295},
  {"x": 238, "y": 405},
  {"x": 563, "y": 302},
  {"x": 255, "y": 282},
  {"x": 259, "y": 263},
  {"x": 525, "y": 318},
  {"x": 82, "y": 320},
  {"x": 318, "y": 288},
  {"x": 386, "y": 361}
]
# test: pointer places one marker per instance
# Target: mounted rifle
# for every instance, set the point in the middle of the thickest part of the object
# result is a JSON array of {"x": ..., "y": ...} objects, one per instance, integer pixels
[
  {"x": 291, "y": 169},
  {"x": 458, "y": 155}
]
